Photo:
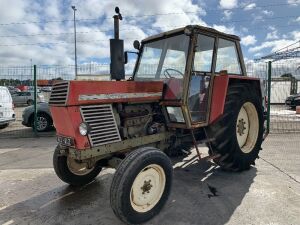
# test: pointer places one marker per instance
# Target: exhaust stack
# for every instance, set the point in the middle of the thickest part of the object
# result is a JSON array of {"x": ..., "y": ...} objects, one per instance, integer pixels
[{"x": 117, "y": 69}]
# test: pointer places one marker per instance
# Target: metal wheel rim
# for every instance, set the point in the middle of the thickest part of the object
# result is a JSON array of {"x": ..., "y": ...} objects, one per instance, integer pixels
[
  {"x": 42, "y": 123},
  {"x": 152, "y": 177},
  {"x": 247, "y": 127},
  {"x": 77, "y": 168}
]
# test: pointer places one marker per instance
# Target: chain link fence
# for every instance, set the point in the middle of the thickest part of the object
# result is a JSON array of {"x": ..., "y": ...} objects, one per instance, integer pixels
[
  {"x": 18, "y": 81},
  {"x": 285, "y": 85},
  {"x": 17, "y": 98}
]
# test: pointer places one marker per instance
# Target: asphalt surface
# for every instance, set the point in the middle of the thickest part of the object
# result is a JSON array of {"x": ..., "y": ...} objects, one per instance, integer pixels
[{"x": 269, "y": 193}]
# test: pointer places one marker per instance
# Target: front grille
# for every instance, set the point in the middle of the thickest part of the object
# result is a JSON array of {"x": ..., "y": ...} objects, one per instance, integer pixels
[
  {"x": 103, "y": 125},
  {"x": 59, "y": 93}
]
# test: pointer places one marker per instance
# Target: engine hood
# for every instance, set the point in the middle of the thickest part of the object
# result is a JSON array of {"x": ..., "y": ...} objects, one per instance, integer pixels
[{"x": 71, "y": 93}]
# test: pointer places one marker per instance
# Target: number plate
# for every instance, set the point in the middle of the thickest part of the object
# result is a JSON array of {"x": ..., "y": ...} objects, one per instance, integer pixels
[
  {"x": 66, "y": 141},
  {"x": 288, "y": 102}
]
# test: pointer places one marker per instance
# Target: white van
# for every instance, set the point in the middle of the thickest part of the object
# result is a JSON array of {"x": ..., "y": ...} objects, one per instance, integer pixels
[{"x": 7, "y": 113}]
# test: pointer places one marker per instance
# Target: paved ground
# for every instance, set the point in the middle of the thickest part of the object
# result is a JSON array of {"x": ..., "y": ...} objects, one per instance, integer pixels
[{"x": 30, "y": 192}]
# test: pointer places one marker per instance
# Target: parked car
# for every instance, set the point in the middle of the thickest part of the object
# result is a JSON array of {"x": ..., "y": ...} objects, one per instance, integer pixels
[
  {"x": 27, "y": 97},
  {"x": 13, "y": 90},
  {"x": 44, "y": 119},
  {"x": 293, "y": 101},
  {"x": 7, "y": 113}
]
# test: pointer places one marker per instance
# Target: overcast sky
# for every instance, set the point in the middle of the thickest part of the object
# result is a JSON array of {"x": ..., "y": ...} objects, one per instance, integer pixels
[{"x": 26, "y": 33}]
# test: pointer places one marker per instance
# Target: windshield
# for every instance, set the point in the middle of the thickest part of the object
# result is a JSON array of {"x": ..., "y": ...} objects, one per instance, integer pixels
[{"x": 163, "y": 59}]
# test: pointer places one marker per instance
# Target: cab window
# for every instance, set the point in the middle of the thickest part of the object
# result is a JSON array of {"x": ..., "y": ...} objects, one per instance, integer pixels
[
  {"x": 174, "y": 64},
  {"x": 227, "y": 57},
  {"x": 204, "y": 53}
]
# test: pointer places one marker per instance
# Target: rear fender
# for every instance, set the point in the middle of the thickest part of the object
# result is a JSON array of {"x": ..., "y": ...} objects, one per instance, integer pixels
[{"x": 220, "y": 87}]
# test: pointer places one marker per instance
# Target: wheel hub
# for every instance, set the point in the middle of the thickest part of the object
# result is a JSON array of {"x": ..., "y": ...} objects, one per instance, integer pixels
[
  {"x": 41, "y": 123},
  {"x": 147, "y": 186},
  {"x": 241, "y": 127}
]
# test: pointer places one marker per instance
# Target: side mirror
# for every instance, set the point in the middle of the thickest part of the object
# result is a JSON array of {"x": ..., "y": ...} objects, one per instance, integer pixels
[
  {"x": 125, "y": 57},
  {"x": 136, "y": 44}
]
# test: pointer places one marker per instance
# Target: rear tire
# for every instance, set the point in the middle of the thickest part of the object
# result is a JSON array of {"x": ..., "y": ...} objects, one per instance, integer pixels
[
  {"x": 30, "y": 102},
  {"x": 3, "y": 126},
  {"x": 71, "y": 171},
  {"x": 141, "y": 185},
  {"x": 239, "y": 132}
]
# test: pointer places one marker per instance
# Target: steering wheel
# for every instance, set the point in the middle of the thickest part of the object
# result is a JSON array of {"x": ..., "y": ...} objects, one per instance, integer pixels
[{"x": 167, "y": 74}]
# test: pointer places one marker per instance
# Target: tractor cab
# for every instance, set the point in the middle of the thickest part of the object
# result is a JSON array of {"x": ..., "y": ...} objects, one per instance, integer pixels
[{"x": 187, "y": 60}]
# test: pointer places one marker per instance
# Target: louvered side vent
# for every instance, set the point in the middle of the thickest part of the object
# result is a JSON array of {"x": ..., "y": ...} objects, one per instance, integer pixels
[
  {"x": 103, "y": 125},
  {"x": 59, "y": 93}
]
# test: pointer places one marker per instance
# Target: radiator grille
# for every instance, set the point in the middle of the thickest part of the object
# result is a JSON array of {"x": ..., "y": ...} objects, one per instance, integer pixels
[
  {"x": 59, "y": 93},
  {"x": 103, "y": 125}
]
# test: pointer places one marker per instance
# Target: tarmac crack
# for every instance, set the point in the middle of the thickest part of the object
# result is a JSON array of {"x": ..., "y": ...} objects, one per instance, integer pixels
[{"x": 280, "y": 170}]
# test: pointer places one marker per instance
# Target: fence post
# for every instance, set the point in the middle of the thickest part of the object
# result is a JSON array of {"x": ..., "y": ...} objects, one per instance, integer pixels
[
  {"x": 269, "y": 95},
  {"x": 35, "y": 100}
]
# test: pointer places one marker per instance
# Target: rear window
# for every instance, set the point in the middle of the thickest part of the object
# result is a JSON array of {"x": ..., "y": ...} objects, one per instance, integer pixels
[{"x": 4, "y": 95}]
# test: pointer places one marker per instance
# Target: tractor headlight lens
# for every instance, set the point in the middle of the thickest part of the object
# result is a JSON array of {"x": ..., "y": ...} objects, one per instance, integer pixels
[
  {"x": 175, "y": 114},
  {"x": 83, "y": 129}
]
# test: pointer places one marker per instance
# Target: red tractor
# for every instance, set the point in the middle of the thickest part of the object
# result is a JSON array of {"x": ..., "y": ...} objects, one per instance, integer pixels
[{"x": 189, "y": 86}]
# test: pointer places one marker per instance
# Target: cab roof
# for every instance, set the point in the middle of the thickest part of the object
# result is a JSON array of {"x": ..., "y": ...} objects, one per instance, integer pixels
[{"x": 192, "y": 29}]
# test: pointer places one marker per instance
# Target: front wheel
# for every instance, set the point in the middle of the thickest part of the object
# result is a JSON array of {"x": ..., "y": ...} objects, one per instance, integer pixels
[
  {"x": 141, "y": 185},
  {"x": 73, "y": 172}
]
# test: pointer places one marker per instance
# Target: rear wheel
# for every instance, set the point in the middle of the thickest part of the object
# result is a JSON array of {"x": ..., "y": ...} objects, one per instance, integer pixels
[
  {"x": 238, "y": 133},
  {"x": 141, "y": 185},
  {"x": 30, "y": 102},
  {"x": 44, "y": 122},
  {"x": 73, "y": 172},
  {"x": 2, "y": 126}
]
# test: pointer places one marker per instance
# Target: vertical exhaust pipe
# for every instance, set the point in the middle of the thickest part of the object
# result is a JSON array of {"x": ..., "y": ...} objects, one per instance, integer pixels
[{"x": 117, "y": 68}]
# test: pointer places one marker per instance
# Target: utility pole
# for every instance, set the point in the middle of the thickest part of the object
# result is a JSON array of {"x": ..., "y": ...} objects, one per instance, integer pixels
[
  {"x": 74, "y": 10},
  {"x": 31, "y": 68}
]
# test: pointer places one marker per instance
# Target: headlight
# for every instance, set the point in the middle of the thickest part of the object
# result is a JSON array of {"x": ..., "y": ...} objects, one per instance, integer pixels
[
  {"x": 175, "y": 114},
  {"x": 84, "y": 129}
]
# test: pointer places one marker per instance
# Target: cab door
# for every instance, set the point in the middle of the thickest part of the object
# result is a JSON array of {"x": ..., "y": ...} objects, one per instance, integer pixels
[{"x": 200, "y": 80}]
